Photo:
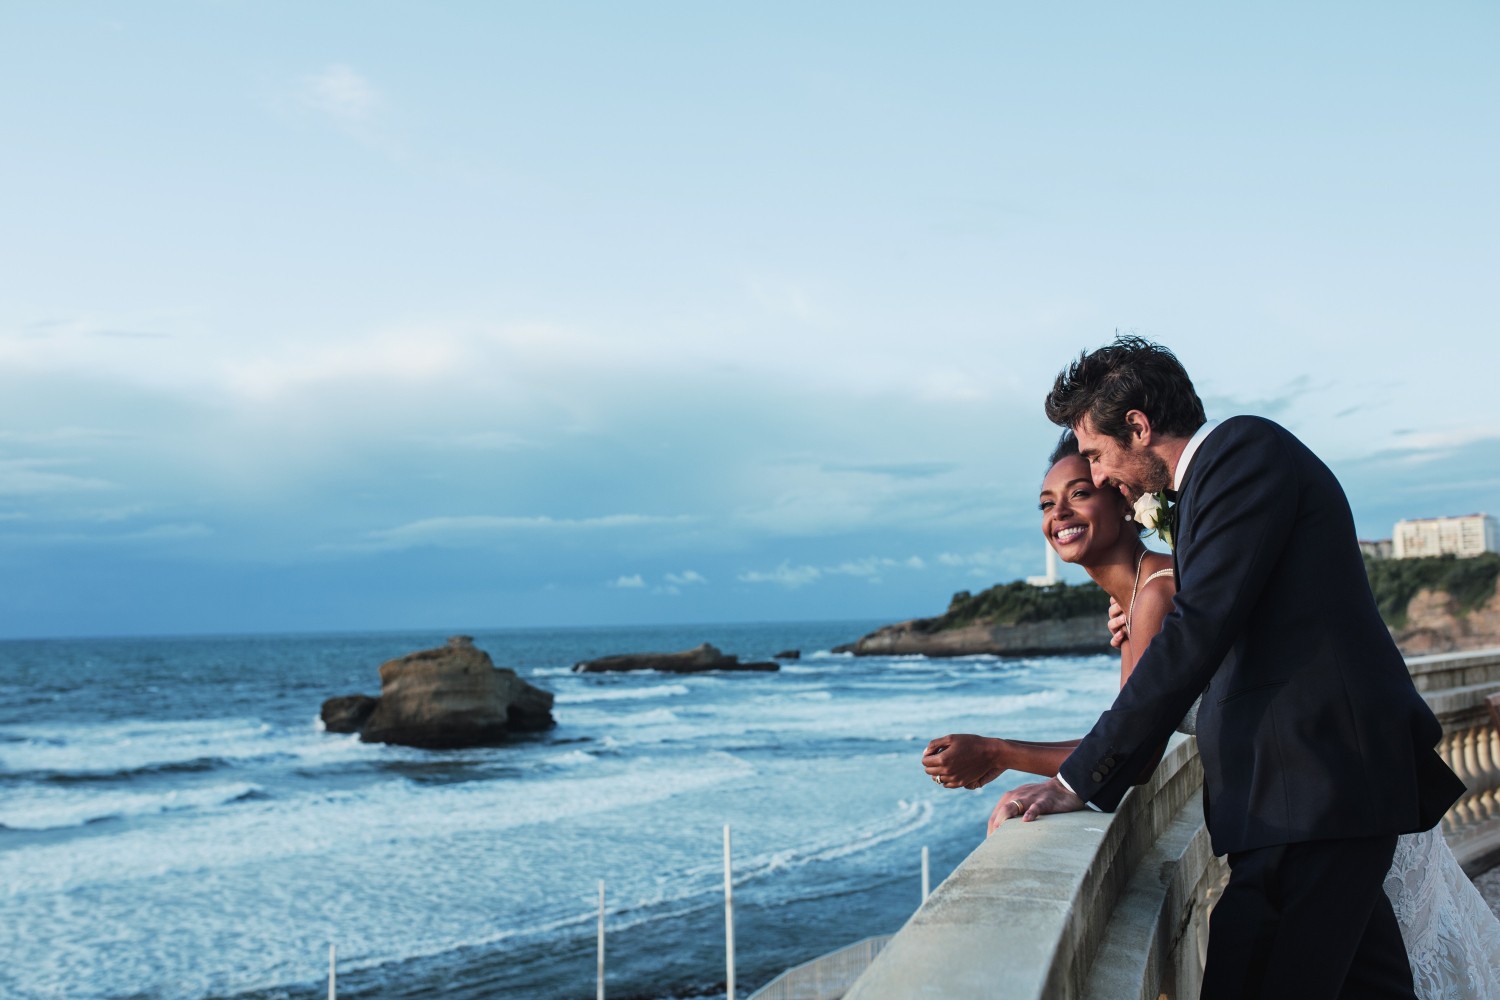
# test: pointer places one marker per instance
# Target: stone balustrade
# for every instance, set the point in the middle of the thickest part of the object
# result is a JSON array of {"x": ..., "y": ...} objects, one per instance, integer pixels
[
  {"x": 1095, "y": 906},
  {"x": 1456, "y": 687}
]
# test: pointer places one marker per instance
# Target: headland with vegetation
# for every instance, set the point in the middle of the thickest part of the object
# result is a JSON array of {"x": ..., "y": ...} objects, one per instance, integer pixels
[{"x": 1432, "y": 605}]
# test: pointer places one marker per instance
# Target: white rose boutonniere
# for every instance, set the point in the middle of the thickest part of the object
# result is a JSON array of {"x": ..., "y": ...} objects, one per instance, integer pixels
[{"x": 1158, "y": 514}]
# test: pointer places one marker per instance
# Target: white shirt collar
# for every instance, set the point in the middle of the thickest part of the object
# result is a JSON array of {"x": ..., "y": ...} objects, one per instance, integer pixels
[{"x": 1187, "y": 453}]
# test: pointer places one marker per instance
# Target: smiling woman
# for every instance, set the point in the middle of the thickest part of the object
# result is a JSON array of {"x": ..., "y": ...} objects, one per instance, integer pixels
[{"x": 1091, "y": 527}]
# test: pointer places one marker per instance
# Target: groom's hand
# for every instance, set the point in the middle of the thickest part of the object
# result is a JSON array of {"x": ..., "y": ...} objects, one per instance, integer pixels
[
  {"x": 1031, "y": 802},
  {"x": 1117, "y": 633}
]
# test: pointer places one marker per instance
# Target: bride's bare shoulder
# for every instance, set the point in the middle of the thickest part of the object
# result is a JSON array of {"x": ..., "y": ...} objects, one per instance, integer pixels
[{"x": 1158, "y": 563}]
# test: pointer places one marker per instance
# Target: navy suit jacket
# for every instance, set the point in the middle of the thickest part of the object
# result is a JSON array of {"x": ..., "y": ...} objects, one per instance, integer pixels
[{"x": 1310, "y": 727}]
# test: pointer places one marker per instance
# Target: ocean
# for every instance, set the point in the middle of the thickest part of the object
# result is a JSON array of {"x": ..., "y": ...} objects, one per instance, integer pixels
[{"x": 175, "y": 824}]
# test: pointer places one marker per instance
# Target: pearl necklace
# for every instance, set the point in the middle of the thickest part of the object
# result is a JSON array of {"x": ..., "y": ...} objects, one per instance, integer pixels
[{"x": 1130, "y": 611}]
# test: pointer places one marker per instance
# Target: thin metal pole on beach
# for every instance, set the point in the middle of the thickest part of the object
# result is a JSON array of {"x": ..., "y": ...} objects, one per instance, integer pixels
[
  {"x": 601, "y": 939},
  {"x": 332, "y": 991},
  {"x": 728, "y": 918},
  {"x": 926, "y": 883}
]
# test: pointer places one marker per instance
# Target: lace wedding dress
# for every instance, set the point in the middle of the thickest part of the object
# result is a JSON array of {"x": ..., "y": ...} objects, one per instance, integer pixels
[{"x": 1452, "y": 938}]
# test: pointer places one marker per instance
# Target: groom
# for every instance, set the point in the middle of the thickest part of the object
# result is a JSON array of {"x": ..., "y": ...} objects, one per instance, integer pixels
[{"x": 1317, "y": 750}]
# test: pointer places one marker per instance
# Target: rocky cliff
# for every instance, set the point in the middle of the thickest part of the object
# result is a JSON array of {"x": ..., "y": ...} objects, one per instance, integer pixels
[
  {"x": 1436, "y": 622},
  {"x": 1423, "y": 619},
  {"x": 923, "y": 636}
]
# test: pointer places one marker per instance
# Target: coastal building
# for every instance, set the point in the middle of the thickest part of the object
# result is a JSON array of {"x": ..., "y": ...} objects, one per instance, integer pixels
[
  {"x": 1051, "y": 576},
  {"x": 1379, "y": 548},
  {"x": 1464, "y": 536}
]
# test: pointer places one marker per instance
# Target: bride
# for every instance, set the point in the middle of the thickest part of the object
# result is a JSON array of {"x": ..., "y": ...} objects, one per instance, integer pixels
[{"x": 1452, "y": 938}]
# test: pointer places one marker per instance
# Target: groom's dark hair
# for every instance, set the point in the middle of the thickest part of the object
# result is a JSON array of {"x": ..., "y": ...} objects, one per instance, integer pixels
[{"x": 1130, "y": 374}]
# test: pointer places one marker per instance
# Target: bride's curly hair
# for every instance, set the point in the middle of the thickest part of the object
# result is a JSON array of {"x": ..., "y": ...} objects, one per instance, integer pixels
[
  {"x": 1068, "y": 445},
  {"x": 1130, "y": 374}
]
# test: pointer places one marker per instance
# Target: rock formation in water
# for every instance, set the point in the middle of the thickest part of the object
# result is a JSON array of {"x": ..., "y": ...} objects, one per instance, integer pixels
[
  {"x": 349, "y": 713},
  {"x": 692, "y": 661},
  {"x": 452, "y": 696}
]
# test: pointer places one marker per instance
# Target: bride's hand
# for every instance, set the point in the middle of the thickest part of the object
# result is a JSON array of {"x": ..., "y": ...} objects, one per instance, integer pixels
[
  {"x": 1116, "y": 624},
  {"x": 963, "y": 760}
]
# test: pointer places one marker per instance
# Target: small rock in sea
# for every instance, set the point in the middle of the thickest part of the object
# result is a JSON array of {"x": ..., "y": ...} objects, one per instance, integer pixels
[
  {"x": 692, "y": 661},
  {"x": 789, "y": 654}
]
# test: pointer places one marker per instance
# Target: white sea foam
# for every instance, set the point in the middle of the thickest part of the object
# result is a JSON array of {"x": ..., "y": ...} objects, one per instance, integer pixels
[
  {"x": 620, "y": 694},
  {"x": 104, "y": 748},
  {"x": 339, "y": 822},
  {"x": 573, "y": 758},
  {"x": 50, "y": 808},
  {"x": 615, "y": 721}
]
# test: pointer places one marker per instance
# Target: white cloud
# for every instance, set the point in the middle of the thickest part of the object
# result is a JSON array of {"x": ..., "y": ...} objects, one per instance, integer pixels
[
  {"x": 474, "y": 441},
  {"x": 341, "y": 93},
  {"x": 169, "y": 532},
  {"x": 780, "y": 297},
  {"x": 416, "y": 356},
  {"x": 676, "y": 581},
  {"x": 1428, "y": 445},
  {"x": 873, "y": 566},
  {"x": 633, "y": 582},
  {"x": 466, "y": 530},
  {"x": 982, "y": 559},
  {"x": 114, "y": 515},
  {"x": 154, "y": 535},
  {"x": 63, "y": 436},
  {"x": 23, "y": 477},
  {"x": 786, "y": 575},
  {"x": 869, "y": 568}
]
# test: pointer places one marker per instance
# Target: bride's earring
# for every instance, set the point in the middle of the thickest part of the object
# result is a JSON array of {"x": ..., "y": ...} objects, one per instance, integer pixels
[{"x": 1129, "y": 516}]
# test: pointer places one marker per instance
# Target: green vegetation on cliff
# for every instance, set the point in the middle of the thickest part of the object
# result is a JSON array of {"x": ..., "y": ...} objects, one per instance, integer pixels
[
  {"x": 1019, "y": 602},
  {"x": 1395, "y": 582}
]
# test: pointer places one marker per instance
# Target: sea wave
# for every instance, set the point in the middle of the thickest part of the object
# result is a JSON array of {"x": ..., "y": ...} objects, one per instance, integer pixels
[
  {"x": 131, "y": 745},
  {"x": 337, "y": 822},
  {"x": 112, "y": 751},
  {"x": 619, "y": 694},
  {"x": 46, "y": 808}
]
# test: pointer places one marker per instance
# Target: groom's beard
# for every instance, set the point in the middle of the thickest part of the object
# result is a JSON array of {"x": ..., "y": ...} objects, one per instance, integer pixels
[{"x": 1152, "y": 474}]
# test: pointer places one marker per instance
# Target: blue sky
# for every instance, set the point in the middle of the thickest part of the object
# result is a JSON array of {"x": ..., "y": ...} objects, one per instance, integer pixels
[{"x": 375, "y": 315}]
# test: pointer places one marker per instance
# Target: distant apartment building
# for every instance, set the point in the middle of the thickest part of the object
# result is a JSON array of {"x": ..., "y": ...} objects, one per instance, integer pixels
[
  {"x": 1378, "y": 548},
  {"x": 1437, "y": 536}
]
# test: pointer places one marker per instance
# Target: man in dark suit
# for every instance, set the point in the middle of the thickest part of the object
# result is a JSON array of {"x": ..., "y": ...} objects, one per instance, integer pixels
[{"x": 1317, "y": 750}]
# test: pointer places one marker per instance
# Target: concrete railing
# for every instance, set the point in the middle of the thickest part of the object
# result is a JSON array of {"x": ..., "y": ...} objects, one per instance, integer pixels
[
  {"x": 1094, "y": 906},
  {"x": 827, "y": 977},
  {"x": 1457, "y": 687}
]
